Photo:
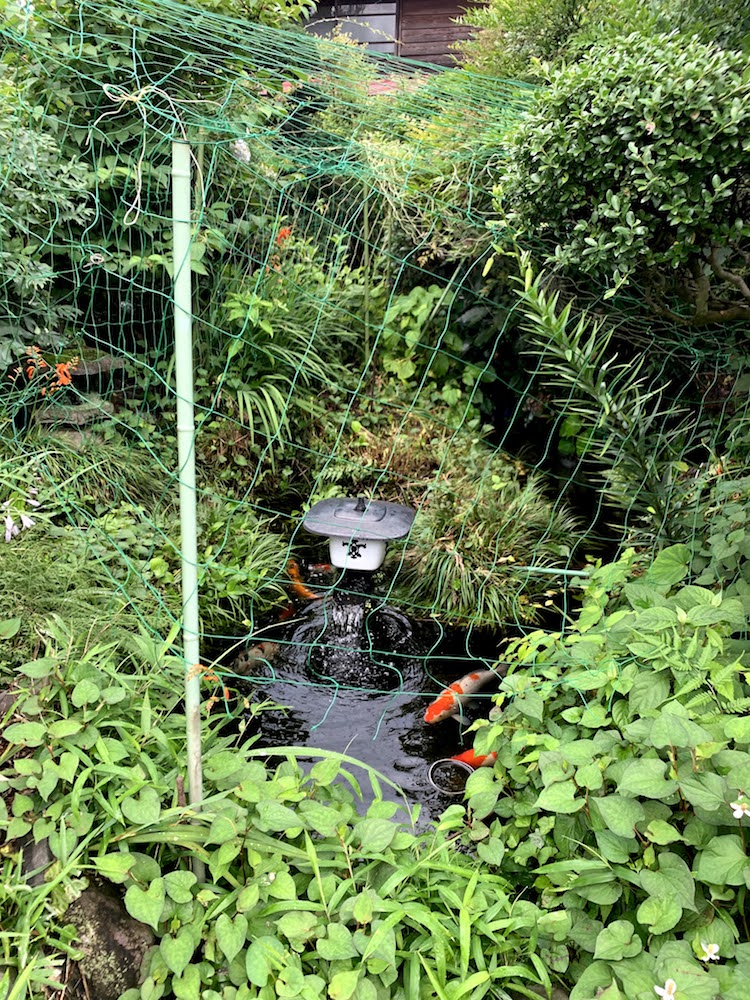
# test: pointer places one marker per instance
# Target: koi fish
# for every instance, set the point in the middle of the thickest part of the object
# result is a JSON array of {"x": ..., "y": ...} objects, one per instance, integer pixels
[
  {"x": 476, "y": 759},
  {"x": 298, "y": 587},
  {"x": 451, "y": 699}
]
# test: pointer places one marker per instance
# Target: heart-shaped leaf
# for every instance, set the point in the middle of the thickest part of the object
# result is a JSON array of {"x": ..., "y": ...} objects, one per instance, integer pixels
[
  {"x": 188, "y": 985},
  {"x": 146, "y": 904},
  {"x": 143, "y": 809},
  {"x": 179, "y": 886},
  {"x": 177, "y": 951},
  {"x": 231, "y": 934}
]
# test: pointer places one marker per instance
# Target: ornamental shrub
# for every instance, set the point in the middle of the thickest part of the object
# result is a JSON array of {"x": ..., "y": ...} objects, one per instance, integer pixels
[{"x": 635, "y": 166}]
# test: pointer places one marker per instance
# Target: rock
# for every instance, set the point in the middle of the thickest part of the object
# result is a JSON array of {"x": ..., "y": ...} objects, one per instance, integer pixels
[
  {"x": 114, "y": 945},
  {"x": 92, "y": 410}
]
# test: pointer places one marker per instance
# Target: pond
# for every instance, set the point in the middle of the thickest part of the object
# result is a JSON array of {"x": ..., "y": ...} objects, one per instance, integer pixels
[{"x": 355, "y": 676}]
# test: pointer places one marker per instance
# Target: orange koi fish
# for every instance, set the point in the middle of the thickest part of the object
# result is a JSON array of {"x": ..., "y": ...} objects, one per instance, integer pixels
[
  {"x": 450, "y": 700},
  {"x": 298, "y": 587},
  {"x": 476, "y": 759}
]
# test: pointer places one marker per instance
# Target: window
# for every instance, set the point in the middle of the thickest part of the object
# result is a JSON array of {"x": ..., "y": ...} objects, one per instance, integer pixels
[{"x": 373, "y": 23}]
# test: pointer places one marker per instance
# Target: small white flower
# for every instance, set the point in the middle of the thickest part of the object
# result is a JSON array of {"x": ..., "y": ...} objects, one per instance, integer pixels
[
  {"x": 26, "y": 521},
  {"x": 710, "y": 952},
  {"x": 739, "y": 808},
  {"x": 34, "y": 503},
  {"x": 667, "y": 991},
  {"x": 11, "y": 528}
]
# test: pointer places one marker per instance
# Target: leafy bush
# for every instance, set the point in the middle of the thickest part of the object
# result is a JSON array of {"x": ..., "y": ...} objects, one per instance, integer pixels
[
  {"x": 634, "y": 165},
  {"x": 44, "y": 196},
  {"x": 623, "y": 750}
]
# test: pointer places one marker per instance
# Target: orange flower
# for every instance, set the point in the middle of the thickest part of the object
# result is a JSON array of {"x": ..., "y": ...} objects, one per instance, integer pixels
[
  {"x": 283, "y": 235},
  {"x": 63, "y": 373}
]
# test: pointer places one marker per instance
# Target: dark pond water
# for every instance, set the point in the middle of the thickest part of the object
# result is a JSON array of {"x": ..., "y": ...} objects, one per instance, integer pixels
[{"x": 355, "y": 676}]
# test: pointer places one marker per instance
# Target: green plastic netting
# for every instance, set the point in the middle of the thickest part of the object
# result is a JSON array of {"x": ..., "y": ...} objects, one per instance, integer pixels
[{"x": 357, "y": 331}]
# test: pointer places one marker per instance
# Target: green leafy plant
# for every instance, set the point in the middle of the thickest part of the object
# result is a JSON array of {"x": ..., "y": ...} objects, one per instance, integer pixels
[
  {"x": 45, "y": 197},
  {"x": 242, "y": 560},
  {"x": 613, "y": 418},
  {"x": 486, "y": 539},
  {"x": 306, "y": 892},
  {"x": 623, "y": 755},
  {"x": 633, "y": 167}
]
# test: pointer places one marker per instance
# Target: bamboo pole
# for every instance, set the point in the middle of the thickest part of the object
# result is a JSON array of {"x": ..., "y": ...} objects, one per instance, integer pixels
[{"x": 183, "y": 345}]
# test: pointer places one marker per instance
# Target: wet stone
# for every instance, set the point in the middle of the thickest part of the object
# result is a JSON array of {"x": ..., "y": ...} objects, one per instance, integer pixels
[{"x": 114, "y": 945}]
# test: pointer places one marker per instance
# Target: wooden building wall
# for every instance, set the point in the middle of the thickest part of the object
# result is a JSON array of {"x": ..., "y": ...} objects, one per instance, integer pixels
[{"x": 426, "y": 29}]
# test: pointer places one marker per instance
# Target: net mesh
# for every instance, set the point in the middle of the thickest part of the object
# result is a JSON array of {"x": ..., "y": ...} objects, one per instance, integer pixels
[{"x": 357, "y": 331}]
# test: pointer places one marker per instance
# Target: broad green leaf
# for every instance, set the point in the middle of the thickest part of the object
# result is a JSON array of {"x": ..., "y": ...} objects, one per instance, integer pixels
[
  {"x": 275, "y": 817},
  {"x": 177, "y": 951},
  {"x": 375, "y": 835},
  {"x": 654, "y": 620},
  {"x": 85, "y": 692},
  {"x": 646, "y": 777},
  {"x": 9, "y": 627},
  {"x": 723, "y": 862},
  {"x": 179, "y": 886},
  {"x": 343, "y": 985},
  {"x": 616, "y": 941},
  {"x": 281, "y": 885},
  {"x": 620, "y": 814},
  {"x": 298, "y": 925},
  {"x": 673, "y": 880},
  {"x": 143, "y": 809},
  {"x": 114, "y": 867},
  {"x": 325, "y": 771},
  {"x": 146, "y": 904},
  {"x": 659, "y": 914},
  {"x": 188, "y": 985},
  {"x": 593, "y": 979},
  {"x": 25, "y": 734},
  {"x": 671, "y": 729},
  {"x": 337, "y": 945},
  {"x": 62, "y": 728},
  {"x": 660, "y": 832},
  {"x": 649, "y": 690},
  {"x": 231, "y": 934},
  {"x": 560, "y": 798},
  {"x": 248, "y": 898},
  {"x": 670, "y": 566},
  {"x": 707, "y": 790},
  {"x": 320, "y": 818},
  {"x": 264, "y": 955}
]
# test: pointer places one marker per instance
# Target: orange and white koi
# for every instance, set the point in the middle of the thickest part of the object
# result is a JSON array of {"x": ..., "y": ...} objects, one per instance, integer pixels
[
  {"x": 450, "y": 700},
  {"x": 476, "y": 759},
  {"x": 298, "y": 586}
]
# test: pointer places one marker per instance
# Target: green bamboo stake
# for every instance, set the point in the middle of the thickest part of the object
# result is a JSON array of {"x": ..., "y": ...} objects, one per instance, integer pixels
[{"x": 183, "y": 348}]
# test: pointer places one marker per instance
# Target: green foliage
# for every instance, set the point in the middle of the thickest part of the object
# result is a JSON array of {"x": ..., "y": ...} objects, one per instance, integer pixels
[
  {"x": 519, "y": 40},
  {"x": 612, "y": 418},
  {"x": 634, "y": 166},
  {"x": 305, "y": 894},
  {"x": 484, "y": 521},
  {"x": 623, "y": 757},
  {"x": 44, "y": 196},
  {"x": 241, "y": 557},
  {"x": 509, "y": 38},
  {"x": 712, "y": 514}
]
